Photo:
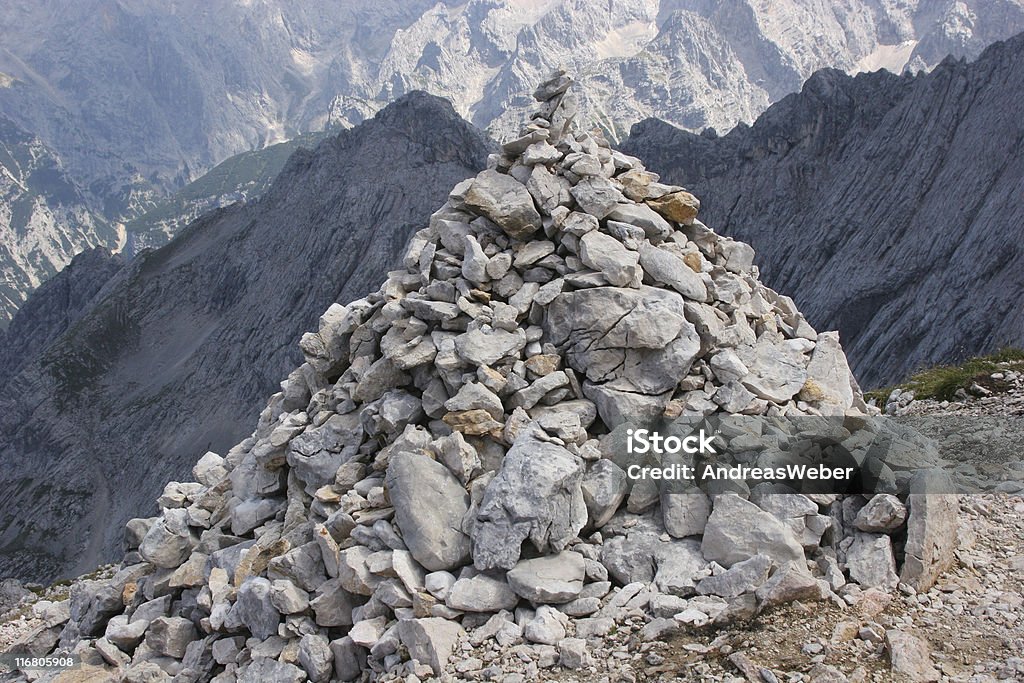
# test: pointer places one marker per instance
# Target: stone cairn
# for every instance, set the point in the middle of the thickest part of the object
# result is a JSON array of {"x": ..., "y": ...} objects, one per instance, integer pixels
[{"x": 432, "y": 487}]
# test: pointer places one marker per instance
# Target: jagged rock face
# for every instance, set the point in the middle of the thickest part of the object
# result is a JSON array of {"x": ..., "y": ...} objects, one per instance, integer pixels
[
  {"x": 878, "y": 203},
  {"x": 292, "y": 67},
  {"x": 180, "y": 350},
  {"x": 45, "y": 218},
  {"x": 477, "y": 444}
]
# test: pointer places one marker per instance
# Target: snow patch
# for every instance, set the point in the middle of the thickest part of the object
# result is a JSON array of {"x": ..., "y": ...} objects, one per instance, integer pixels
[
  {"x": 889, "y": 57},
  {"x": 303, "y": 61},
  {"x": 626, "y": 41}
]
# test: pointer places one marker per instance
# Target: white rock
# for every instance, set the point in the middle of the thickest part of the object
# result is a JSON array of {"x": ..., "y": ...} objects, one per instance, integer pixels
[
  {"x": 552, "y": 579},
  {"x": 430, "y": 641}
]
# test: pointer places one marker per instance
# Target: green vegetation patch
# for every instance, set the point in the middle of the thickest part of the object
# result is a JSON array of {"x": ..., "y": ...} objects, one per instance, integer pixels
[{"x": 942, "y": 381}]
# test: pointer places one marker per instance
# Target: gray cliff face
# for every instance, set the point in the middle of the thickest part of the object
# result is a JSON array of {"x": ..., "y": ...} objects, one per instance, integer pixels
[
  {"x": 177, "y": 355},
  {"x": 141, "y": 99},
  {"x": 888, "y": 207},
  {"x": 44, "y": 217},
  {"x": 56, "y": 305}
]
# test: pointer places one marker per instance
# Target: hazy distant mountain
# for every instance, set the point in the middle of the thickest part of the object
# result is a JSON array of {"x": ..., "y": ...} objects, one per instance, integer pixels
[
  {"x": 44, "y": 218},
  {"x": 890, "y": 208},
  {"x": 140, "y": 98},
  {"x": 147, "y": 95},
  {"x": 241, "y": 177},
  {"x": 178, "y": 348}
]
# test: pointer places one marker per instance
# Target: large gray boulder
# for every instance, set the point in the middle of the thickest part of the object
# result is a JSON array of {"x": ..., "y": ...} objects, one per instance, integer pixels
[
  {"x": 552, "y": 579},
  {"x": 604, "y": 488},
  {"x": 667, "y": 268},
  {"x": 170, "y": 636},
  {"x": 317, "y": 453},
  {"x": 481, "y": 593},
  {"x": 430, "y": 641},
  {"x": 535, "y": 495},
  {"x": 931, "y": 529},
  {"x": 607, "y": 255},
  {"x": 255, "y": 608},
  {"x": 869, "y": 560},
  {"x": 168, "y": 542},
  {"x": 505, "y": 201},
  {"x": 624, "y": 340},
  {"x": 777, "y": 371},
  {"x": 738, "y": 530},
  {"x": 429, "y": 506}
]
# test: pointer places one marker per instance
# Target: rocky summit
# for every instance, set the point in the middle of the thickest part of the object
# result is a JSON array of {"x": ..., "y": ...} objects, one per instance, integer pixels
[{"x": 437, "y": 485}]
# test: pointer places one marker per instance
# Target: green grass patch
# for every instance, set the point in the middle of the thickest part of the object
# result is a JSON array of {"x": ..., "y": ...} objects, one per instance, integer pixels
[{"x": 942, "y": 381}]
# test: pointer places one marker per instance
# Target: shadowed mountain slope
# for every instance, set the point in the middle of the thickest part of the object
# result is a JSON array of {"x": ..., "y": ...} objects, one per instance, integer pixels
[
  {"x": 890, "y": 207},
  {"x": 177, "y": 357}
]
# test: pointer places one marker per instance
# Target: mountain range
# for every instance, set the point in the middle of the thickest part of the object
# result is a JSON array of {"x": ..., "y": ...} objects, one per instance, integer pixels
[
  {"x": 127, "y": 370},
  {"x": 889, "y": 207},
  {"x": 135, "y": 100}
]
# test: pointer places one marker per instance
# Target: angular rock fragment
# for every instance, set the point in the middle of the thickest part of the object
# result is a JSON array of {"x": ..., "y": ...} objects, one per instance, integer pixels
[
  {"x": 429, "y": 506},
  {"x": 536, "y": 495},
  {"x": 505, "y": 201},
  {"x": 552, "y": 579},
  {"x": 738, "y": 530}
]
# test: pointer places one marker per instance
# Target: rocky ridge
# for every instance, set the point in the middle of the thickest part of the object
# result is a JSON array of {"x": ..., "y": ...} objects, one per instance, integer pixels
[
  {"x": 45, "y": 218},
  {"x": 292, "y": 67},
  {"x": 840, "y": 188},
  {"x": 55, "y": 306},
  {"x": 438, "y": 479}
]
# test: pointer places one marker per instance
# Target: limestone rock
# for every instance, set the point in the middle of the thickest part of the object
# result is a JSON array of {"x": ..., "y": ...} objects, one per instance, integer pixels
[
  {"x": 931, "y": 529},
  {"x": 170, "y": 636},
  {"x": 828, "y": 375},
  {"x": 604, "y": 487},
  {"x": 738, "y": 530},
  {"x": 430, "y": 641},
  {"x": 789, "y": 583},
  {"x": 255, "y": 609},
  {"x": 869, "y": 560},
  {"x": 536, "y": 494},
  {"x": 686, "y": 513},
  {"x": 777, "y": 372},
  {"x": 606, "y": 254},
  {"x": 572, "y": 653},
  {"x": 505, "y": 201},
  {"x": 883, "y": 513},
  {"x": 680, "y": 207},
  {"x": 551, "y": 580},
  {"x": 168, "y": 542},
  {"x": 743, "y": 577},
  {"x": 481, "y": 593},
  {"x": 909, "y": 656},
  {"x": 547, "y": 626},
  {"x": 656, "y": 227},
  {"x": 666, "y": 268},
  {"x": 316, "y": 658},
  {"x": 429, "y": 506}
]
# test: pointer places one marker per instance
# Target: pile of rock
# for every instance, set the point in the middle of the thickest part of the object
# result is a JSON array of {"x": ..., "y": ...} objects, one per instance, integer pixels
[{"x": 436, "y": 477}]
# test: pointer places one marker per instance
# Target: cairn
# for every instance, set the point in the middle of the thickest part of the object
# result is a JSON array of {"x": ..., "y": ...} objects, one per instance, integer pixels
[{"x": 439, "y": 481}]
